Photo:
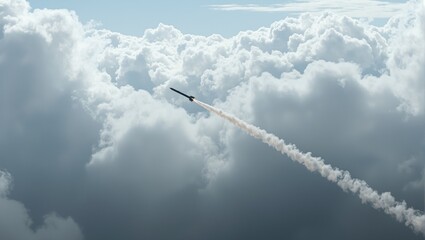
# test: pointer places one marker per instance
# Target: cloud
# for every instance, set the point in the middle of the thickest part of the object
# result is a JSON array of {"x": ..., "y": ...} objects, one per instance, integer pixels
[
  {"x": 385, "y": 201},
  {"x": 357, "y": 9},
  {"x": 15, "y": 222},
  {"x": 90, "y": 130}
]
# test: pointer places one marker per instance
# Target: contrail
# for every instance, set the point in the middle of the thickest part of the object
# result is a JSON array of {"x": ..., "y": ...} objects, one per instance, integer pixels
[{"x": 412, "y": 218}]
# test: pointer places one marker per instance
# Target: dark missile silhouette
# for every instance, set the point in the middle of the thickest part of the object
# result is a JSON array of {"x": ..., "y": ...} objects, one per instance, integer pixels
[{"x": 189, "y": 97}]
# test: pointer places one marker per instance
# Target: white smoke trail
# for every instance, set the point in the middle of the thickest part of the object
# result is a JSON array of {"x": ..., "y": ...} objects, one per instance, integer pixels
[{"x": 385, "y": 201}]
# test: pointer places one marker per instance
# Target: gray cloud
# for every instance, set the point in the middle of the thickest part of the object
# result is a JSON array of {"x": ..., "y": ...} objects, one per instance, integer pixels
[
  {"x": 15, "y": 222},
  {"x": 90, "y": 130},
  {"x": 410, "y": 217}
]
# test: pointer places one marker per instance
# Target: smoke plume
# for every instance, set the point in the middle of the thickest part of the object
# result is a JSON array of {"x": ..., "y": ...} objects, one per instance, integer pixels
[{"x": 412, "y": 218}]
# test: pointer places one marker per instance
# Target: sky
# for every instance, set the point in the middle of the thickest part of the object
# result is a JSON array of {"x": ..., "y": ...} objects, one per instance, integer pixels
[
  {"x": 206, "y": 17},
  {"x": 94, "y": 145}
]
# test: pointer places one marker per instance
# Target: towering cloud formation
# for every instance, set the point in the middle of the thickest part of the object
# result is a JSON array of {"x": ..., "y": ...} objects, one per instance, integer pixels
[{"x": 89, "y": 129}]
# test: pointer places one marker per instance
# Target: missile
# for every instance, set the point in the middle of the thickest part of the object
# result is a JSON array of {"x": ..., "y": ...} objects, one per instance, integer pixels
[{"x": 189, "y": 97}]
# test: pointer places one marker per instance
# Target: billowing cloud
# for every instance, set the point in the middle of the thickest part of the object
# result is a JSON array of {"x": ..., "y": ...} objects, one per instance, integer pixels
[
  {"x": 90, "y": 130},
  {"x": 15, "y": 222}
]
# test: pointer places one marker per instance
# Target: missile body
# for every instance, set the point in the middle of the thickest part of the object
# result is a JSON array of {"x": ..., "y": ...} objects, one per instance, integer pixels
[{"x": 189, "y": 97}]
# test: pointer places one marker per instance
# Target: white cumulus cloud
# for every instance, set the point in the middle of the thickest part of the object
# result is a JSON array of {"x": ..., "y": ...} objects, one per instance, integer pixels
[{"x": 89, "y": 128}]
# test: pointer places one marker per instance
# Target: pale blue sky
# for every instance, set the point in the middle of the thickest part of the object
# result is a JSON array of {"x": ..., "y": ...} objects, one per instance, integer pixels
[
  {"x": 196, "y": 17},
  {"x": 133, "y": 17}
]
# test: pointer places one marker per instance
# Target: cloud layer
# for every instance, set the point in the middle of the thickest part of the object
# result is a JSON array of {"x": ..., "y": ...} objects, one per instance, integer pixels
[
  {"x": 89, "y": 129},
  {"x": 357, "y": 8}
]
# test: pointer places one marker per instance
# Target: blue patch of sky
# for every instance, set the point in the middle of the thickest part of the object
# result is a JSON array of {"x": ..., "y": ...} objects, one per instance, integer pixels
[{"x": 189, "y": 16}]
